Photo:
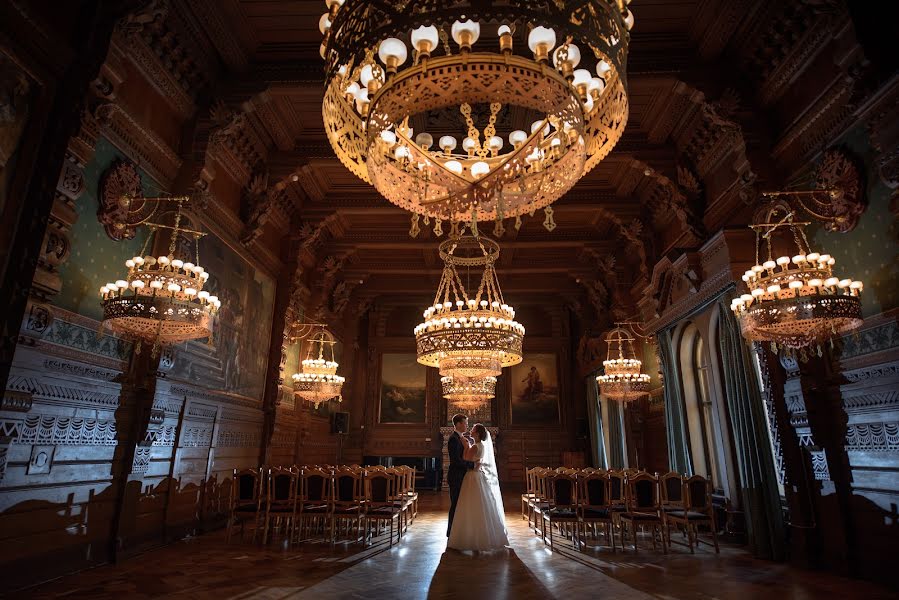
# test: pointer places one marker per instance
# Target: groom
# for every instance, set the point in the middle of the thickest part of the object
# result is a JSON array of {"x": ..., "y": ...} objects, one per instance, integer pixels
[{"x": 455, "y": 446}]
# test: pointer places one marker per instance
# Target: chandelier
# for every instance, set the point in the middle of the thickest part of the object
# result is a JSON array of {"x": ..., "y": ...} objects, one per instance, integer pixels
[
  {"x": 318, "y": 380},
  {"x": 622, "y": 379},
  {"x": 536, "y": 118},
  {"x": 794, "y": 301},
  {"x": 468, "y": 393},
  {"x": 160, "y": 300},
  {"x": 469, "y": 339}
]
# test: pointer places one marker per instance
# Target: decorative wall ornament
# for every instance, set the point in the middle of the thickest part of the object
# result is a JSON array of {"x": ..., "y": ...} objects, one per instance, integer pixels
[
  {"x": 873, "y": 437},
  {"x": 67, "y": 431},
  {"x": 838, "y": 171},
  {"x": 121, "y": 180}
]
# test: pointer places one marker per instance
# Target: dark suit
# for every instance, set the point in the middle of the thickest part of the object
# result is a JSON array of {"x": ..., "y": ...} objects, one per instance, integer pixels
[{"x": 456, "y": 473}]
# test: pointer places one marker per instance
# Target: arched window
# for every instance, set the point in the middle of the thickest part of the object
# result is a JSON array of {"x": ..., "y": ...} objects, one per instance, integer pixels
[{"x": 704, "y": 447}]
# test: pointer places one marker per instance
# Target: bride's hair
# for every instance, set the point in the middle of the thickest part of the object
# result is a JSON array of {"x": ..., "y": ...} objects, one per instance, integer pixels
[{"x": 480, "y": 431}]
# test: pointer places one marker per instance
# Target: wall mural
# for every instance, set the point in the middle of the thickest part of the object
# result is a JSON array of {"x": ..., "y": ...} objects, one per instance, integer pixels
[
  {"x": 95, "y": 258},
  {"x": 403, "y": 389},
  {"x": 535, "y": 390},
  {"x": 235, "y": 360}
]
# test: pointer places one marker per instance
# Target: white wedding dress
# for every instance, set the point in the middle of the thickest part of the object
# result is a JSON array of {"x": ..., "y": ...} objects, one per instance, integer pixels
[{"x": 480, "y": 521}]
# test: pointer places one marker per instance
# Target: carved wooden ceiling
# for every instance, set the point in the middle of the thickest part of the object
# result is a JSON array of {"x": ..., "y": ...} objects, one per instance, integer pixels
[{"x": 714, "y": 111}]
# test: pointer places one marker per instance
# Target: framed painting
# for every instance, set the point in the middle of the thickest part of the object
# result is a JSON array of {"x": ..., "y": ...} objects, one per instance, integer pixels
[
  {"x": 535, "y": 390},
  {"x": 403, "y": 389}
]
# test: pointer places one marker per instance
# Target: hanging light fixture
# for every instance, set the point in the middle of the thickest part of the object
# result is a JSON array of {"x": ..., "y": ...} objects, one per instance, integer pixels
[
  {"x": 469, "y": 339},
  {"x": 622, "y": 378},
  {"x": 794, "y": 302},
  {"x": 468, "y": 393},
  {"x": 161, "y": 300},
  {"x": 396, "y": 63},
  {"x": 318, "y": 380}
]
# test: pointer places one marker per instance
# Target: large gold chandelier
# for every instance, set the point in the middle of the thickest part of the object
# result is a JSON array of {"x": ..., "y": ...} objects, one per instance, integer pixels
[
  {"x": 469, "y": 338},
  {"x": 794, "y": 301},
  {"x": 391, "y": 69},
  {"x": 318, "y": 380},
  {"x": 622, "y": 379},
  {"x": 160, "y": 300}
]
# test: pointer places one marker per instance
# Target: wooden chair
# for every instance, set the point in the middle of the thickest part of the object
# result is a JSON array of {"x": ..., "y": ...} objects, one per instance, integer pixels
[
  {"x": 280, "y": 500},
  {"x": 617, "y": 494},
  {"x": 313, "y": 506},
  {"x": 246, "y": 499},
  {"x": 380, "y": 503},
  {"x": 530, "y": 492},
  {"x": 540, "y": 502},
  {"x": 643, "y": 508},
  {"x": 594, "y": 504},
  {"x": 698, "y": 510},
  {"x": 409, "y": 474},
  {"x": 400, "y": 499},
  {"x": 562, "y": 507},
  {"x": 347, "y": 500}
]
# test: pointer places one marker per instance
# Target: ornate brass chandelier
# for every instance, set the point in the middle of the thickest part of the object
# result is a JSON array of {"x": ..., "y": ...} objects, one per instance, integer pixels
[
  {"x": 318, "y": 380},
  {"x": 391, "y": 66},
  {"x": 468, "y": 393},
  {"x": 622, "y": 379},
  {"x": 160, "y": 300},
  {"x": 469, "y": 338},
  {"x": 794, "y": 302}
]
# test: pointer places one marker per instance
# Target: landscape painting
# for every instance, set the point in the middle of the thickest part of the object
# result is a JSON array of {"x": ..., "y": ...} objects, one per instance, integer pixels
[
  {"x": 535, "y": 390},
  {"x": 403, "y": 389}
]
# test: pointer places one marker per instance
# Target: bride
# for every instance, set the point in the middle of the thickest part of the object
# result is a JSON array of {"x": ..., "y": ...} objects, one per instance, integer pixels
[{"x": 480, "y": 522}]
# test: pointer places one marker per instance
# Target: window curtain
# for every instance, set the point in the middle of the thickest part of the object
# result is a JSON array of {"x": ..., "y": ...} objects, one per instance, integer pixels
[
  {"x": 675, "y": 419},
  {"x": 617, "y": 454},
  {"x": 758, "y": 480},
  {"x": 594, "y": 414}
]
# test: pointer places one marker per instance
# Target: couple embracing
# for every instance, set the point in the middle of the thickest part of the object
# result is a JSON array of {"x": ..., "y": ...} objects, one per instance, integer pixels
[{"x": 476, "y": 516}]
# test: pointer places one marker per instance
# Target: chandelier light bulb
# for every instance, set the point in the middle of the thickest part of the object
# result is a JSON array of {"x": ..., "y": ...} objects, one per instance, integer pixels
[
  {"x": 479, "y": 169},
  {"x": 629, "y": 20},
  {"x": 465, "y": 34},
  {"x": 352, "y": 89},
  {"x": 424, "y": 140},
  {"x": 392, "y": 53},
  {"x": 324, "y": 24},
  {"x": 566, "y": 58},
  {"x": 541, "y": 41},
  {"x": 581, "y": 79},
  {"x": 536, "y": 125},
  {"x": 517, "y": 138},
  {"x": 368, "y": 74},
  {"x": 603, "y": 68},
  {"x": 454, "y": 165},
  {"x": 447, "y": 143},
  {"x": 425, "y": 39},
  {"x": 595, "y": 87},
  {"x": 495, "y": 144},
  {"x": 469, "y": 145},
  {"x": 388, "y": 137}
]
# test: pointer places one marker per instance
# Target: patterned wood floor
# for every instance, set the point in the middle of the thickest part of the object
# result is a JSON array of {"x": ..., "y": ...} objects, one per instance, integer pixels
[{"x": 420, "y": 567}]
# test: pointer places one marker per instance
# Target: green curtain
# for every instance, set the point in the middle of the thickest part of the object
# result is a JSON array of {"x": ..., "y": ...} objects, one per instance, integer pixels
[
  {"x": 758, "y": 480},
  {"x": 594, "y": 414},
  {"x": 675, "y": 419},
  {"x": 616, "y": 435}
]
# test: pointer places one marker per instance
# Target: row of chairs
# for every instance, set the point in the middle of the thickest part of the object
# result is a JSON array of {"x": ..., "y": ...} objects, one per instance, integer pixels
[
  {"x": 302, "y": 501},
  {"x": 622, "y": 500}
]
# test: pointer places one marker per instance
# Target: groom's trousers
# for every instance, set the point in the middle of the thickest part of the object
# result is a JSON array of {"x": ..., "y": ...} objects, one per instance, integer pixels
[{"x": 454, "y": 488}]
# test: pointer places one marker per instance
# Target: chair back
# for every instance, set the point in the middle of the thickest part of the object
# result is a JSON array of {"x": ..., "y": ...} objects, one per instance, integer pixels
[
  {"x": 316, "y": 485},
  {"x": 698, "y": 495},
  {"x": 347, "y": 489},
  {"x": 643, "y": 493},
  {"x": 617, "y": 489},
  {"x": 672, "y": 488},
  {"x": 379, "y": 488},
  {"x": 542, "y": 478},
  {"x": 281, "y": 487},
  {"x": 563, "y": 490},
  {"x": 246, "y": 488},
  {"x": 531, "y": 480},
  {"x": 399, "y": 480},
  {"x": 593, "y": 491}
]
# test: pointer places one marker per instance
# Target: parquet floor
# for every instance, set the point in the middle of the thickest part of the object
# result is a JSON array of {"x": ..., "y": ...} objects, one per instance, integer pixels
[{"x": 420, "y": 567}]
